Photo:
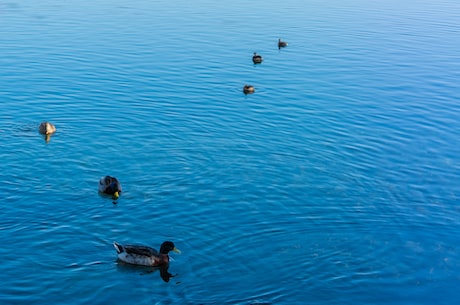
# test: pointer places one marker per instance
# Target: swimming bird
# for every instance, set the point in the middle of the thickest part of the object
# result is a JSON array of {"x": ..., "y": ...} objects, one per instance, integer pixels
[
  {"x": 46, "y": 128},
  {"x": 257, "y": 59},
  {"x": 145, "y": 256},
  {"x": 282, "y": 44},
  {"x": 248, "y": 89},
  {"x": 111, "y": 186}
]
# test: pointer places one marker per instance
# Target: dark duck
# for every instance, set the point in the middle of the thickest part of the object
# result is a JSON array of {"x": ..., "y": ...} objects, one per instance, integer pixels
[
  {"x": 248, "y": 89},
  {"x": 110, "y": 186},
  {"x": 256, "y": 58},
  {"x": 282, "y": 44},
  {"x": 144, "y": 255}
]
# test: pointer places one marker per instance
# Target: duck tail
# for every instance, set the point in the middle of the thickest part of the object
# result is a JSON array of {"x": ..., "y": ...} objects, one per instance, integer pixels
[{"x": 118, "y": 247}]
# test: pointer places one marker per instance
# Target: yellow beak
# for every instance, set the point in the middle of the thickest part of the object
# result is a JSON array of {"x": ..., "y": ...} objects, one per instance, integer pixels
[
  {"x": 116, "y": 195},
  {"x": 176, "y": 250}
]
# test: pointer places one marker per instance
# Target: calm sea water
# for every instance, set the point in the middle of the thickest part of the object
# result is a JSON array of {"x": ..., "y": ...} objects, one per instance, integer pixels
[{"x": 337, "y": 182}]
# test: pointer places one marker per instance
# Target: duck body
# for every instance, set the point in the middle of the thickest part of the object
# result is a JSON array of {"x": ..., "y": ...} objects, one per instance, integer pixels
[
  {"x": 282, "y": 44},
  {"x": 144, "y": 255},
  {"x": 248, "y": 89},
  {"x": 46, "y": 128},
  {"x": 110, "y": 185},
  {"x": 256, "y": 58}
]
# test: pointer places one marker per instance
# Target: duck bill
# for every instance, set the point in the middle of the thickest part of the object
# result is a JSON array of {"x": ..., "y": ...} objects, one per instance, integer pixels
[
  {"x": 116, "y": 195},
  {"x": 176, "y": 250}
]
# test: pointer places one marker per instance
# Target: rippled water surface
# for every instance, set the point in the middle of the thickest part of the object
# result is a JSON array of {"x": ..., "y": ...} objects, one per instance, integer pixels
[{"x": 336, "y": 182}]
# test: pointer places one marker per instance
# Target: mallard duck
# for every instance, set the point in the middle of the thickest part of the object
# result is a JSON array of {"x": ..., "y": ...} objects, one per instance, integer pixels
[
  {"x": 282, "y": 44},
  {"x": 110, "y": 185},
  {"x": 46, "y": 128},
  {"x": 248, "y": 89},
  {"x": 256, "y": 58},
  {"x": 145, "y": 256}
]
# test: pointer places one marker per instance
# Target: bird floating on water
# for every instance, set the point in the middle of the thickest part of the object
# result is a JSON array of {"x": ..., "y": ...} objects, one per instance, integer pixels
[
  {"x": 46, "y": 128},
  {"x": 110, "y": 186},
  {"x": 256, "y": 58},
  {"x": 145, "y": 256},
  {"x": 282, "y": 44},
  {"x": 248, "y": 89}
]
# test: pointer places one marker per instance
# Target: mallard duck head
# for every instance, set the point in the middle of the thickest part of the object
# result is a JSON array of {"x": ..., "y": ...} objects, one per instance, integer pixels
[
  {"x": 168, "y": 246},
  {"x": 113, "y": 188}
]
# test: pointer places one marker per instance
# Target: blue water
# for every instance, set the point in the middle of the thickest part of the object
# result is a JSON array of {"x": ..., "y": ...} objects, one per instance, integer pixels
[{"x": 336, "y": 182}]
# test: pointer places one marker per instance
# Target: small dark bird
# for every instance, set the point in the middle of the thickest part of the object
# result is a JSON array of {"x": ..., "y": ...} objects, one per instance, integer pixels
[
  {"x": 282, "y": 44},
  {"x": 257, "y": 59},
  {"x": 248, "y": 89},
  {"x": 145, "y": 256},
  {"x": 111, "y": 186}
]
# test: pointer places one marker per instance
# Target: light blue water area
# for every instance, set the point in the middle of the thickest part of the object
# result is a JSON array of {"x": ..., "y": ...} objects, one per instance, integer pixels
[{"x": 336, "y": 182}]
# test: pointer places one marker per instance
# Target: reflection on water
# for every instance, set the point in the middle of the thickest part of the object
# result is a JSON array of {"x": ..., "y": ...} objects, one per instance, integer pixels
[
  {"x": 145, "y": 270},
  {"x": 47, "y": 137}
]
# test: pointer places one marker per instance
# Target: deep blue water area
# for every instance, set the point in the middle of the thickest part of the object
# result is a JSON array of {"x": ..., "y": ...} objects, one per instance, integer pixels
[{"x": 336, "y": 182}]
